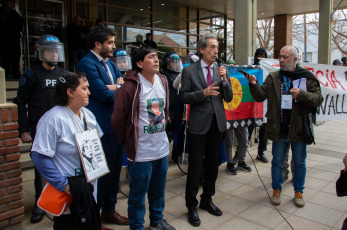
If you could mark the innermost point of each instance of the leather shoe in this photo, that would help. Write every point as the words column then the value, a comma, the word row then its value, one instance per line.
column 193, row 217
column 261, row 156
column 106, row 228
column 37, row 215
column 114, row 218
column 211, row 208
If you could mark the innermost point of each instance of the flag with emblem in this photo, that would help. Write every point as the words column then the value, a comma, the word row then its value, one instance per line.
column 245, row 111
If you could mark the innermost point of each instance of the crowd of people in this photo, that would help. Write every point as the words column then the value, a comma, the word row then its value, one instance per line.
column 137, row 108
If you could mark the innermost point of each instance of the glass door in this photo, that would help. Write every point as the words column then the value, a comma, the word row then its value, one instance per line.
column 42, row 17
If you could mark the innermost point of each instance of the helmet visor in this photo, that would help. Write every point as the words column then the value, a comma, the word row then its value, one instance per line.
column 51, row 53
column 123, row 63
column 175, row 65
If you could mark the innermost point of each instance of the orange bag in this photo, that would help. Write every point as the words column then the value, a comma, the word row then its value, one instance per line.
column 54, row 201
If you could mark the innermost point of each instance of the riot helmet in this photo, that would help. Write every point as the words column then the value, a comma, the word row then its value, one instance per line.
column 337, row 62
column 174, row 63
column 50, row 49
column 344, row 60
column 122, row 59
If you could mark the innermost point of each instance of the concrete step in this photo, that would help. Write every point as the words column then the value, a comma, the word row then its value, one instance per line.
column 11, row 90
column 26, row 162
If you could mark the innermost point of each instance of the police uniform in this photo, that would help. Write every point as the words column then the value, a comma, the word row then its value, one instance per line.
column 36, row 89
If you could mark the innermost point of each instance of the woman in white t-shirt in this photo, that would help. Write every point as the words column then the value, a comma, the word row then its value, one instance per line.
column 55, row 152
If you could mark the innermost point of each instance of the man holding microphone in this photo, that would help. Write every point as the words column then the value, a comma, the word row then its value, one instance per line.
column 204, row 86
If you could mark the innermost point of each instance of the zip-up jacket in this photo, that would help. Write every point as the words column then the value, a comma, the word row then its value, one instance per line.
column 125, row 117
column 270, row 90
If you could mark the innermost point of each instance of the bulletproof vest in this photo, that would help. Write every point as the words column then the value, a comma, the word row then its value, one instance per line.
column 42, row 96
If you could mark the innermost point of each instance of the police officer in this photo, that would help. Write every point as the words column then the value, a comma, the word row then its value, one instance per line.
column 11, row 27
column 35, row 97
column 172, row 67
column 122, row 60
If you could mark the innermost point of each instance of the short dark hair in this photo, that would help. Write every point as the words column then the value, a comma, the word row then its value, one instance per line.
column 68, row 80
column 202, row 43
column 139, row 55
column 99, row 34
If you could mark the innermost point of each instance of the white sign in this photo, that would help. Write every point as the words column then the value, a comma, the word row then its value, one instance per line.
column 91, row 154
column 333, row 82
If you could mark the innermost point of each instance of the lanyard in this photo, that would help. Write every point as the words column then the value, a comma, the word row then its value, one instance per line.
column 286, row 84
column 86, row 126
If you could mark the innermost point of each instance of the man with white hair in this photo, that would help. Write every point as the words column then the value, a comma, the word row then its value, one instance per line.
column 284, row 122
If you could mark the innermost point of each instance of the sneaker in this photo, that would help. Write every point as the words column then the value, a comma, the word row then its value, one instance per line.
column 243, row 166
column 261, row 157
column 231, row 169
column 276, row 197
column 299, row 200
column 163, row 225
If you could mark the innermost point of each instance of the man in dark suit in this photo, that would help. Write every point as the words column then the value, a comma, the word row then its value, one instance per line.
column 104, row 79
column 203, row 87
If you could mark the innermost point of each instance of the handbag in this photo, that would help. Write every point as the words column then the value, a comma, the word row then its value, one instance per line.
column 307, row 120
column 54, row 201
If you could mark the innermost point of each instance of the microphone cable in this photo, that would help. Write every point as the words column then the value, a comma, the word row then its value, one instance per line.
column 267, row 192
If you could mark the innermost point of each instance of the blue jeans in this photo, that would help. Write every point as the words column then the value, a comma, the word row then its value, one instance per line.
column 146, row 177
column 299, row 152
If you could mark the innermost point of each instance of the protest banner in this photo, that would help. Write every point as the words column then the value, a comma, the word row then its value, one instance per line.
column 333, row 81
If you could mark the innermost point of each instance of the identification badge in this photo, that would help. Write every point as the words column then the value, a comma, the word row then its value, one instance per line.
column 286, row 102
column 91, row 154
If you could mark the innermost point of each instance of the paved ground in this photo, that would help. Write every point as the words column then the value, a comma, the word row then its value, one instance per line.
column 243, row 198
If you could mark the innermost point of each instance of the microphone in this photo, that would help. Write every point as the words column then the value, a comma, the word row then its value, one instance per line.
column 219, row 62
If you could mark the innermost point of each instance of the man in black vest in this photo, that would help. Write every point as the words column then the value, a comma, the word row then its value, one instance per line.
column 35, row 97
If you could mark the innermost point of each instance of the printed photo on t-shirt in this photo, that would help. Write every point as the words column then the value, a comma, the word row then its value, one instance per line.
column 156, row 118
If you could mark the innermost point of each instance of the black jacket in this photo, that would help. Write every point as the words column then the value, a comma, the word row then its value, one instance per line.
column 36, row 89
column 83, row 208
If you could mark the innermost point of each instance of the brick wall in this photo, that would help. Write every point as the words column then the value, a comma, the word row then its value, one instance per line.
column 283, row 32
column 11, row 196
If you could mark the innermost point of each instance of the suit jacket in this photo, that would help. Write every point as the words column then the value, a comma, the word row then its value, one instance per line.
column 202, row 108
column 101, row 98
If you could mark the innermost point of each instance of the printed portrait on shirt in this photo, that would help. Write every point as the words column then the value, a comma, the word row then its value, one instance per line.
column 156, row 118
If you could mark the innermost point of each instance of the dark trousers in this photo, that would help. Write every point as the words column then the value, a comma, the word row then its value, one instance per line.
column 73, row 55
column 201, row 146
column 9, row 59
column 108, row 185
column 63, row 222
column 262, row 147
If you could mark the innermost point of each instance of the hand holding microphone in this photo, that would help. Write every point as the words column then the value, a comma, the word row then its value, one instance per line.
column 221, row 70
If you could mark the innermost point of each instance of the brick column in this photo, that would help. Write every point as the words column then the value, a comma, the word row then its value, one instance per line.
column 11, row 196
column 283, row 34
